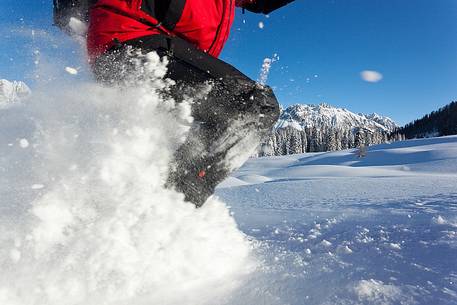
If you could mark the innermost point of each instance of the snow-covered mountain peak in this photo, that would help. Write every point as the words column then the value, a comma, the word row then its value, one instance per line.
column 301, row 116
column 11, row 92
column 383, row 120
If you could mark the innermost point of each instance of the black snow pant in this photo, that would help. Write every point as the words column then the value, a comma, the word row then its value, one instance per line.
column 229, row 122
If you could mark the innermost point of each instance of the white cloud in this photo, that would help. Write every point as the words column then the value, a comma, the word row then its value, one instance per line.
column 371, row 76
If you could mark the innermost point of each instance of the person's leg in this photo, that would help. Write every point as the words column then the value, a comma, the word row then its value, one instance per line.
column 229, row 122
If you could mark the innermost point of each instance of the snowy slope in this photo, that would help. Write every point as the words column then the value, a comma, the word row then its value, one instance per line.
column 11, row 92
column 336, row 229
column 302, row 116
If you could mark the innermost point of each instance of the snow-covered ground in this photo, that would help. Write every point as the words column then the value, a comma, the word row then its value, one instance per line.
column 335, row 229
column 85, row 219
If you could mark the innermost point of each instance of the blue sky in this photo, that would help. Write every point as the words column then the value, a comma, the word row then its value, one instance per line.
column 322, row 45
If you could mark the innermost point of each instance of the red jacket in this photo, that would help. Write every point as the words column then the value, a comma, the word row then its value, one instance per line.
column 205, row 23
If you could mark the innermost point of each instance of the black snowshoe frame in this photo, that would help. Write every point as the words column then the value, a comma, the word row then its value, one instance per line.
column 236, row 109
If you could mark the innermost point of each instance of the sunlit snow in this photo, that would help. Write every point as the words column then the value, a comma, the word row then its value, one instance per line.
column 333, row 228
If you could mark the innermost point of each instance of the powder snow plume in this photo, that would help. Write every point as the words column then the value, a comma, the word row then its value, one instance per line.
column 265, row 70
column 83, row 213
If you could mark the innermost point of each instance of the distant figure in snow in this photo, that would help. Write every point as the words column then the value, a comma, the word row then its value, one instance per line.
column 191, row 34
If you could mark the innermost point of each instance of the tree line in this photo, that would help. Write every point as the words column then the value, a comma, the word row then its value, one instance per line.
column 289, row 140
column 442, row 122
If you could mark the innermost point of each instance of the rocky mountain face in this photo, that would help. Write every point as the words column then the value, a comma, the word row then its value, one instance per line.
column 382, row 120
column 11, row 92
column 316, row 128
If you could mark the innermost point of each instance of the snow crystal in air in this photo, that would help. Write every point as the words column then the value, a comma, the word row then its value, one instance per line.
column 71, row 70
column 261, row 25
column 371, row 76
column 266, row 66
column 24, row 143
column 78, row 27
column 37, row 186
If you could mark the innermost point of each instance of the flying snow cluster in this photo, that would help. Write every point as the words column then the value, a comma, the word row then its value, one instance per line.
column 371, row 76
column 85, row 217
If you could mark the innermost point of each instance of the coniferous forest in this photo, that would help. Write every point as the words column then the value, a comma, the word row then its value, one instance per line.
column 287, row 141
column 442, row 122
column 323, row 136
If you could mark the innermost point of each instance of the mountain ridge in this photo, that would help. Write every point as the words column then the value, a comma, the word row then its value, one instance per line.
column 316, row 128
column 302, row 116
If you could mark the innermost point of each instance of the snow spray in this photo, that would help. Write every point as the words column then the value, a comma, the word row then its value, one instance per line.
column 84, row 216
column 265, row 70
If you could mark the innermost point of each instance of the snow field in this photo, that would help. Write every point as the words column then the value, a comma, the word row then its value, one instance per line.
column 335, row 229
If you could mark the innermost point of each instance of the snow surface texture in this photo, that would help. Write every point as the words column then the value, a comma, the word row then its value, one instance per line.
column 84, row 218
column 336, row 229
